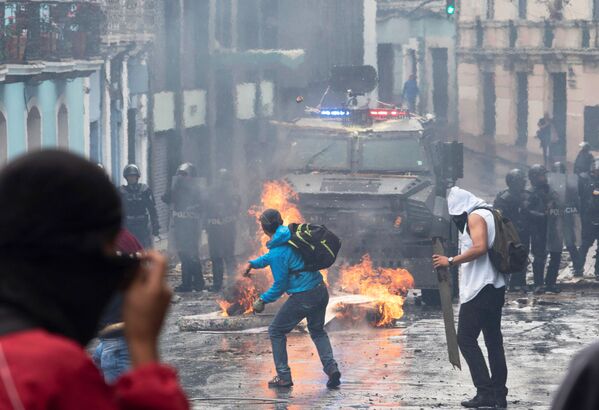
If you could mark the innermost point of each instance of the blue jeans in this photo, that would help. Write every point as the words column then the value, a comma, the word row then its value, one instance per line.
column 311, row 305
column 112, row 356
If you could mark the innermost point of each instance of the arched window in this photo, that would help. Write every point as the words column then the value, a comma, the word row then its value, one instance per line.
column 3, row 140
column 63, row 127
column 34, row 129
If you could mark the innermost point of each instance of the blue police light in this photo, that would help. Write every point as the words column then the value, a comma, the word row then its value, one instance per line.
column 334, row 113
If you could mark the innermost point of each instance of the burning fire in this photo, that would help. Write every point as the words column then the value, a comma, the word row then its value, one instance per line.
column 280, row 196
column 276, row 195
column 387, row 286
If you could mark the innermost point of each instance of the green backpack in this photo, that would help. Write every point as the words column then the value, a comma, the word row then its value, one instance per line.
column 508, row 254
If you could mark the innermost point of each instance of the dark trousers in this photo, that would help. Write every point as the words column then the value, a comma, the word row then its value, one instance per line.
column 590, row 234
column 539, row 252
column 311, row 305
column 519, row 278
column 142, row 234
column 218, row 269
column 555, row 258
column 191, row 271
column 483, row 313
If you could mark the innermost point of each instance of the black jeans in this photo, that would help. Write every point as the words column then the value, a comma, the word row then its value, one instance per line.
column 483, row 313
column 519, row 278
column 218, row 270
column 191, row 271
column 555, row 258
column 311, row 305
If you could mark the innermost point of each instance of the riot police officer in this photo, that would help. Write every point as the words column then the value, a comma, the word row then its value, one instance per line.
column 222, row 209
column 139, row 206
column 590, row 204
column 543, row 211
column 513, row 203
column 185, row 198
column 584, row 159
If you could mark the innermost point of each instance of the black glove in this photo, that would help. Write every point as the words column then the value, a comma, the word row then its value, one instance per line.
column 259, row 306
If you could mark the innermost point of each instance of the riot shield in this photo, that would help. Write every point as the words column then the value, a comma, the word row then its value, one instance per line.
column 556, row 203
column 572, row 223
column 186, row 204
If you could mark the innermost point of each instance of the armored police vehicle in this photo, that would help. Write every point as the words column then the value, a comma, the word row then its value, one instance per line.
column 370, row 176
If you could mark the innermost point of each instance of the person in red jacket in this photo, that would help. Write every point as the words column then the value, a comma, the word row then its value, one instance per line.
column 59, row 218
column 112, row 354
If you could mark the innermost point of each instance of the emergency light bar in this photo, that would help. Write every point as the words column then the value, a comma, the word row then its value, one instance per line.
column 334, row 112
column 384, row 113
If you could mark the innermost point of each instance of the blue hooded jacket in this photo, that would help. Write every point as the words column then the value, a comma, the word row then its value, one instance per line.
column 283, row 259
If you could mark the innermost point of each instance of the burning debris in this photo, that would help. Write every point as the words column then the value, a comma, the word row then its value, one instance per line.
column 387, row 286
column 241, row 294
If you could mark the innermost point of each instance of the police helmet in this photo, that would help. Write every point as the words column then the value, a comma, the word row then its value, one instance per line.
column 585, row 146
column 187, row 168
column 558, row 167
column 515, row 179
column 131, row 170
column 535, row 172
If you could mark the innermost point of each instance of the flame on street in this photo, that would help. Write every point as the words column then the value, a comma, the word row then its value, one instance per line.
column 387, row 286
column 239, row 297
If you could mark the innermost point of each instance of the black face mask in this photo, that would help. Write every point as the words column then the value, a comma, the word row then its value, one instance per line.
column 460, row 221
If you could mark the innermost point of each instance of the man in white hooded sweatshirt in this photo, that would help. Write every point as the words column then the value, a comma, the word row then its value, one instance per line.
column 482, row 295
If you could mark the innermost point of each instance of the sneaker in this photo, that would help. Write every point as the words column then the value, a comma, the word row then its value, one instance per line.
column 277, row 382
column 553, row 290
column 480, row 400
column 334, row 380
column 539, row 290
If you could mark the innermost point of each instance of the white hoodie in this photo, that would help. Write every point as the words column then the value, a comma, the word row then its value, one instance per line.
column 477, row 274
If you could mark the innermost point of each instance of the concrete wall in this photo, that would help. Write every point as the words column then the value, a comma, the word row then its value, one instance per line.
column 470, row 114
column 505, row 105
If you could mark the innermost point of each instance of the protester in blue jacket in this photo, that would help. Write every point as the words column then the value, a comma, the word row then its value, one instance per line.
column 308, row 298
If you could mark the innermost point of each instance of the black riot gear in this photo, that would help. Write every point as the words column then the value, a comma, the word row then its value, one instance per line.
column 513, row 203
column 140, row 208
column 515, row 179
column 584, row 159
column 543, row 211
column 222, row 209
column 185, row 198
column 131, row 170
column 537, row 174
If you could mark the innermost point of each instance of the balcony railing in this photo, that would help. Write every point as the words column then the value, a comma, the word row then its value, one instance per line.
column 49, row 31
